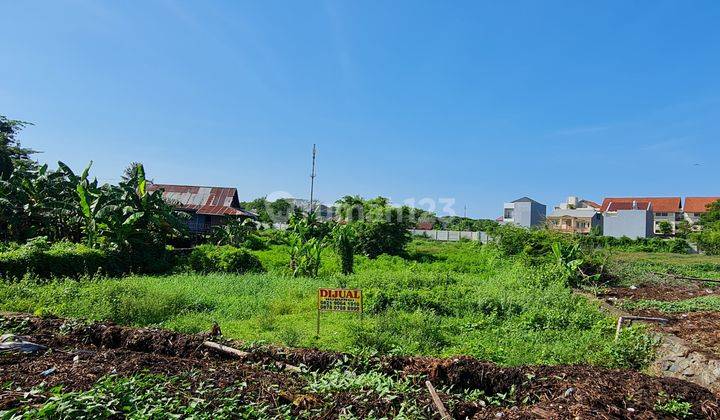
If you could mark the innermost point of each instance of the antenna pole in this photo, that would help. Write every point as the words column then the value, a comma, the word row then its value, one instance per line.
column 465, row 211
column 312, row 179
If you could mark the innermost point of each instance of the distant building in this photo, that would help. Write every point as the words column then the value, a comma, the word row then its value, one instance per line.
column 668, row 209
column 577, row 203
column 524, row 212
column 696, row 206
column 580, row 220
column 633, row 220
column 322, row 211
column 207, row 206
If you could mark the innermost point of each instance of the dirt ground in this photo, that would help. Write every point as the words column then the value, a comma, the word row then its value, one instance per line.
column 700, row 329
column 540, row 392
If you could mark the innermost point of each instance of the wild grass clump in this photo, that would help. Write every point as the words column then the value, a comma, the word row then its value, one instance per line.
column 701, row 303
column 224, row 259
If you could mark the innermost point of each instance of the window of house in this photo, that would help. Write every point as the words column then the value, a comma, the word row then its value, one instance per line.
column 661, row 214
column 508, row 214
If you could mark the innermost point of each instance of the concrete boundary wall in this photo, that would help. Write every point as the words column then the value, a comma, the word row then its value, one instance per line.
column 451, row 235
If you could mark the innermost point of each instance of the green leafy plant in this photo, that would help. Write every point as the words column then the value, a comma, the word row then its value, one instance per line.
column 225, row 258
column 673, row 407
column 344, row 239
column 305, row 247
column 238, row 233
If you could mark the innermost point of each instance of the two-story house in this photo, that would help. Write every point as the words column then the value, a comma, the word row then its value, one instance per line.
column 665, row 209
column 695, row 207
column 524, row 212
column 575, row 215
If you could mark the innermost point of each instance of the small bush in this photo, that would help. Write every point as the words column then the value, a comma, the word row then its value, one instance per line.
column 226, row 259
column 673, row 407
column 709, row 241
column 633, row 350
column 63, row 259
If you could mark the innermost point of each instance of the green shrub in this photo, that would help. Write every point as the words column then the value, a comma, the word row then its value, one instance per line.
column 378, row 237
column 634, row 349
column 709, row 240
column 226, row 259
column 63, row 259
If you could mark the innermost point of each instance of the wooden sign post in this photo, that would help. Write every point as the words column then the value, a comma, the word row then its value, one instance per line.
column 338, row 300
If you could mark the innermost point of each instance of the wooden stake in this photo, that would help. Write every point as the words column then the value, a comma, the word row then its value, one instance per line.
column 622, row 319
column 438, row 402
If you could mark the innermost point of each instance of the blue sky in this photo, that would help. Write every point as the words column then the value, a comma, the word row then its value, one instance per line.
column 481, row 102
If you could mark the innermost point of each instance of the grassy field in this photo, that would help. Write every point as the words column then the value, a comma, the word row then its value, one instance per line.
column 444, row 299
column 632, row 268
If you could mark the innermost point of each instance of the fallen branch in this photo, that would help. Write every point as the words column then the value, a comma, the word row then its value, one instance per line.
column 437, row 401
column 225, row 349
column 229, row 351
column 631, row 318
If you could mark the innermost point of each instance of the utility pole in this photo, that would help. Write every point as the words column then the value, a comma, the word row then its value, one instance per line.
column 465, row 211
column 312, row 180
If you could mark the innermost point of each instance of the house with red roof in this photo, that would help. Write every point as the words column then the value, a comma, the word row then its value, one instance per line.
column 207, row 206
column 696, row 206
column 664, row 209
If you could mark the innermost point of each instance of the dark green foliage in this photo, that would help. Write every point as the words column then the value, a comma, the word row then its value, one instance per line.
column 278, row 211
column 679, row 246
column 37, row 201
column 62, row 259
column 511, row 240
column 382, row 237
column 665, row 228
column 465, row 223
column 305, row 239
column 712, row 215
column 344, row 239
column 709, row 239
column 238, row 233
column 225, row 258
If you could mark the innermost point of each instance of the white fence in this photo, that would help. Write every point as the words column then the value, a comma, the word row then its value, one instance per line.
column 451, row 235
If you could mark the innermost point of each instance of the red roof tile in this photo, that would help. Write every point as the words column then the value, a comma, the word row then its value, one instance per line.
column 698, row 204
column 623, row 205
column 659, row 204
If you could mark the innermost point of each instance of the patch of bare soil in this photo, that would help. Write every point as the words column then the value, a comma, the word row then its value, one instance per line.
column 82, row 354
column 700, row 329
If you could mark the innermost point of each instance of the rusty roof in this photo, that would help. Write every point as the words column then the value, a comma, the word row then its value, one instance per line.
column 698, row 204
column 659, row 204
column 217, row 201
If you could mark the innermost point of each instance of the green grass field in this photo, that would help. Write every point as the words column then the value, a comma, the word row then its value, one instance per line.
column 444, row 299
column 641, row 267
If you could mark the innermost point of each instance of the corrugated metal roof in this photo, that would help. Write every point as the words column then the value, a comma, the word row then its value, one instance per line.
column 203, row 200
